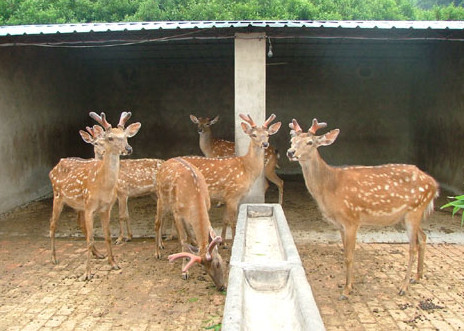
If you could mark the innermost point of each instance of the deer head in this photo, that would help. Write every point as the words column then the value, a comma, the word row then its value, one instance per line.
column 259, row 135
column 303, row 144
column 94, row 136
column 105, row 138
column 204, row 123
column 211, row 260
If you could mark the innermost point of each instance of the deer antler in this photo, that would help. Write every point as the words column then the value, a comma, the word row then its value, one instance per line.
column 124, row 118
column 268, row 121
column 95, row 131
column 193, row 259
column 100, row 119
column 248, row 119
column 316, row 126
column 295, row 126
column 90, row 130
column 212, row 244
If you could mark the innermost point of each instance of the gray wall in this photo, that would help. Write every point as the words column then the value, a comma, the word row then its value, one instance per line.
column 41, row 98
column 388, row 108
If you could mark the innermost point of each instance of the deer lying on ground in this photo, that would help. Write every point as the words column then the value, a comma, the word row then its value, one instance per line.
column 229, row 179
column 89, row 186
column 353, row 196
column 137, row 177
column 213, row 147
column 182, row 190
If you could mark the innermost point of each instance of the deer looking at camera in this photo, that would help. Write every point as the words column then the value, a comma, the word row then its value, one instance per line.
column 353, row 196
column 182, row 190
column 137, row 177
column 229, row 179
column 89, row 186
column 213, row 147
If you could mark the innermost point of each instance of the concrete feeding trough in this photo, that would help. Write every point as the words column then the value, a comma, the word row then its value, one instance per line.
column 267, row 289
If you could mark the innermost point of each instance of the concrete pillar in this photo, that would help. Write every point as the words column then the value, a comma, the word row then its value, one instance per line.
column 250, row 95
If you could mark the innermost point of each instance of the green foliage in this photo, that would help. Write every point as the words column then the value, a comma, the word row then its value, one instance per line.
column 458, row 205
column 80, row 11
column 215, row 327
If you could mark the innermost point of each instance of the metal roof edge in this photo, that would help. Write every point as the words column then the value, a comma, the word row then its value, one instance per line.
column 16, row 30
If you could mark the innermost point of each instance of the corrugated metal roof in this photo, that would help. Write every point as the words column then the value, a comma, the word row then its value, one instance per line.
column 173, row 25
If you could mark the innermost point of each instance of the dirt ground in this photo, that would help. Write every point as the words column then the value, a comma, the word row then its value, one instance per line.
column 149, row 294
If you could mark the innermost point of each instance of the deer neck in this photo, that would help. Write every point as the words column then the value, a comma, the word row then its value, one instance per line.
column 206, row 143
column 254, row 160
column 108, row 173
column 319, row 176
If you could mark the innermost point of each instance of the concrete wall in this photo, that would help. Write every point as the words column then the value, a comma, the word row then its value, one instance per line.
column 41, row 98
column 389, row 109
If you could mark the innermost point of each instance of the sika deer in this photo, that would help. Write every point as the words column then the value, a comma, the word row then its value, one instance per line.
column 213, row 147
column 353, row 196
column 89, row 186
column 181, row 189
column 137, row 177
column 229, row 179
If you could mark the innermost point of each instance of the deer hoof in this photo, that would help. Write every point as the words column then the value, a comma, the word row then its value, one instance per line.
column 185, row 275
column 402, row 292
column 119, row 241
column 115, row 267
column 86, row 277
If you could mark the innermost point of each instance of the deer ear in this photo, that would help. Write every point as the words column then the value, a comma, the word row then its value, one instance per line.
column 86, row 137
column 98, row 130
column 246, row 128
column 274, row 128
column 214, row 120
column 194, row 119
column 132, row 129
column 328, row 138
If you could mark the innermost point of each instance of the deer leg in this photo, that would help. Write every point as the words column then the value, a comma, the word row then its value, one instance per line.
column 105, row 221
column 349, row 244
column 412, row 230
column 173, row 234
column 123, row 218
column 183, row 239
column 158, row 227
column 272, row 177
column 88, row 215
column 230, row 215
column 57, row 208
column 420, row 263
column 81, row 222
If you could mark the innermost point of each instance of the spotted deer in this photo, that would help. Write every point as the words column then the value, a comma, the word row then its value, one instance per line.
column 364, row 195
column 89, row 186
column 213, row 147
column 182, row 190
column 229, row 179
column 137, row 177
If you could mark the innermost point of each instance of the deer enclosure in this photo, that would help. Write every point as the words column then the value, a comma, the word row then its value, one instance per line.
column 150, row 293
column 394, row 103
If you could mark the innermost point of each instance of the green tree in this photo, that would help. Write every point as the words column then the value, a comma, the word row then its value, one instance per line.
column 71, row 11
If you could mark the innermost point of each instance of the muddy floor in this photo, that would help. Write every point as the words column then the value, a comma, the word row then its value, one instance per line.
column 149, row 294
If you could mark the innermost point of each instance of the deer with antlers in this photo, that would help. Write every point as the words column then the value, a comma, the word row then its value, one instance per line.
column 213, row 147
column 373, row 195
column 229, row 179
column 182, row 190
column 89, row 186
column 137, row 177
